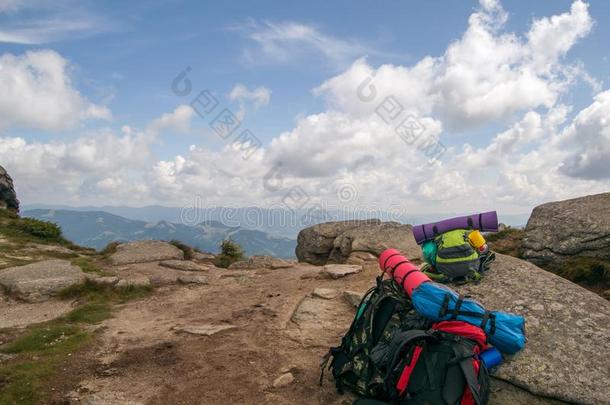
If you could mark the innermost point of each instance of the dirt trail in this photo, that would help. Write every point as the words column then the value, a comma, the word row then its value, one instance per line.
column 144, row 357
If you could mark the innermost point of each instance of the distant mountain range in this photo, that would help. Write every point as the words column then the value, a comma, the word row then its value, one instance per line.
column 98, row 228
column 278, row 222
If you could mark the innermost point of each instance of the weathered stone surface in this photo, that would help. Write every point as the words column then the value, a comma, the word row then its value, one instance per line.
column 8, row 197
column 374, row 239
column 564, row 229
column 201, row 257
column 183, row 265
column 568, row 330
column 41, row 280
column 315, row 243
column 353, row 297
column 325, row 293
column 336, row 271
column 192, row 279
column 319, row 322
column 145, row 251
column 354, row 241
column 262, row 262
column 134, row 282
column 204, row 330
column 283, row 380
column 361, row 258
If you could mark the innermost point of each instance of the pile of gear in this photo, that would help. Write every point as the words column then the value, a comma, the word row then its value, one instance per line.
column 415, row 341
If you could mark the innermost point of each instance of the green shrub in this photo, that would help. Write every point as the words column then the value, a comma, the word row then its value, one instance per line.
column 189, row 252
column 110, row 248
column 40, row 229
column 230, row 252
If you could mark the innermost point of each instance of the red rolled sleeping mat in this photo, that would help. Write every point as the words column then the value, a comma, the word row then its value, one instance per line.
column 402, row 270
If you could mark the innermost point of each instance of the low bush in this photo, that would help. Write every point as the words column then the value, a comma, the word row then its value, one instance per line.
column 189, row 252
column 230, row 252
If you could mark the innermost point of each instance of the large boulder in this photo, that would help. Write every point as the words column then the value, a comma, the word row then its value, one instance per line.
column 336, row 242
column 568, row 330
column 8, row 197
column 374, row 239
column 315, row 243
column 144, row 251
column 41, row 280
column 563, row 230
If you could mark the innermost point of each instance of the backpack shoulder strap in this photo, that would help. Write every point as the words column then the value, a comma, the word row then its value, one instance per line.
column 471, row 379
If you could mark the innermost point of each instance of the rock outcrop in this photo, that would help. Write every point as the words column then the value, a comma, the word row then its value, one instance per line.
column 144, row 251
column 568, row 330
column 41, row 280
column 8, row 197
column 350, row 241
column 561, row 230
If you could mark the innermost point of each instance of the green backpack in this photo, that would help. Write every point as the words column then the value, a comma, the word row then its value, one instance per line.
column 456, row 258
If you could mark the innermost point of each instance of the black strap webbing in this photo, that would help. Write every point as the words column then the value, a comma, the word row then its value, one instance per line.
column 423, row 229
column 470, row 223
column 388, row 258
column 456, row 310
column 444, row 306
column 471, row 379
column 480, row 221
column 402, row 282
column 396, row 266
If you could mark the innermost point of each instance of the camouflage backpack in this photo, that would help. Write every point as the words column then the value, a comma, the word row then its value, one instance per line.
column 384, row 309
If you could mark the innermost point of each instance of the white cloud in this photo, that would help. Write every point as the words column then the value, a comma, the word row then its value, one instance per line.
column 260, row 96
column 37, row 92
column 483, row 77
column 487, row 76
column 178, row 120
column 288, row 42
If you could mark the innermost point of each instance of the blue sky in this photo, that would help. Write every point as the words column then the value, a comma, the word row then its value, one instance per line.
column 121, row 57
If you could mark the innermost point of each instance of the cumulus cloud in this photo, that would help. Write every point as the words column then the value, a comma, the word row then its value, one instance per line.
column 37, row 92
column 178, row 120
column 485, row 76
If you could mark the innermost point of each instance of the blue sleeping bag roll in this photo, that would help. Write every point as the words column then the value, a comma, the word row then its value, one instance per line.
column 440, row 303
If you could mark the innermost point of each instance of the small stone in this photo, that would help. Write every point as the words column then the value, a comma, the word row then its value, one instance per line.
column 134, row 282
column 336, row 271
column 192, row 279
column 108, row 280
column 352, row 297
column 204, row 330
column 538, row 307
column 325, row 293
column 606, row 294
column 283, row 380
column 6, row 357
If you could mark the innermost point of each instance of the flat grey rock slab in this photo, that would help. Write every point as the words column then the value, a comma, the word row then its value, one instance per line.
column 144, row 251
column 41, row 280
column 134, row 282
column 352, row 297
column 325, row 293
column 337, row 271
column 192, row 279
column 204, row 329
column 184, row 265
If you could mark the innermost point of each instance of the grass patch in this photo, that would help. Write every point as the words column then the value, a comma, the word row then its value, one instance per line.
column 40, row 351
column 92, row 292
column 43, row 348
column 86, row 265
column 508, row 242
column 587, row 270
column 230, row 252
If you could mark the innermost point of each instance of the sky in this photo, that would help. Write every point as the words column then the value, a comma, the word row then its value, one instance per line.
column 417, row 107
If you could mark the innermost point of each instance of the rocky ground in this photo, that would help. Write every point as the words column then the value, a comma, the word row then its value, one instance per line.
column 255, row 333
